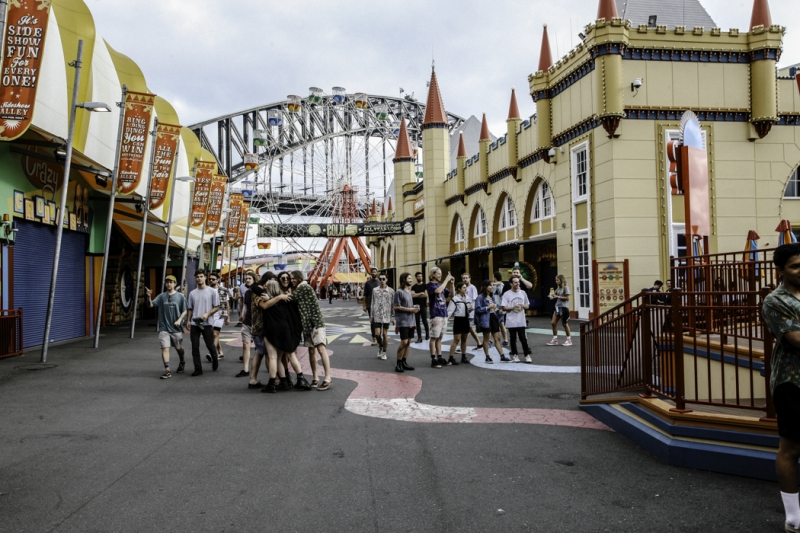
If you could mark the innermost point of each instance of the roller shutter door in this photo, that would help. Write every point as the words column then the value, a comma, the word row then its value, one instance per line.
column 33, row 263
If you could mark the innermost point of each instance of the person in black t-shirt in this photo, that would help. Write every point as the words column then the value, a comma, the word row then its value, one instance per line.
column 368, row 287
column 419, row 294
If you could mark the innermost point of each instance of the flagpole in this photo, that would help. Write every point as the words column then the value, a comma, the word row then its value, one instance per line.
column 110, row 220
column 188, row 226
column 144, row 225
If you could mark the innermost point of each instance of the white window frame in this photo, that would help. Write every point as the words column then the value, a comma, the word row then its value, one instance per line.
column 508, row 215
column 580, row 194
column 543, row 193
column 794, row 182
column 480, row 224
column 460, row 236
column 582, row 310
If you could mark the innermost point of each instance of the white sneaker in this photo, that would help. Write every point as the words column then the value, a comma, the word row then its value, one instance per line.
column 568, row 342
column 553, row 342
column 383, row 356
column 515, row 359
column 380, row 353
column 528, row 359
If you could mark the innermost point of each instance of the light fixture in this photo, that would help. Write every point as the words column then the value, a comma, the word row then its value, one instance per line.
column 101, row 180
column 7, row 230
column 651, row 21
column 139, row 207
column 582, row 36
column 187, row 179
column 60, row 153
column 97, row 107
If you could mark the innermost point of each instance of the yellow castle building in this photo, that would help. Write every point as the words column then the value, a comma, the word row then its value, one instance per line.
column 586, row 177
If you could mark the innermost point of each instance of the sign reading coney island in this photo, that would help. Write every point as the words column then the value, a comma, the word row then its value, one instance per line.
column 23, row 47
column 215, row 199
column 204, row 176
column 138, row 109
column 244, row 214
column 167, row 138
column 234, row 219
column 353, row 229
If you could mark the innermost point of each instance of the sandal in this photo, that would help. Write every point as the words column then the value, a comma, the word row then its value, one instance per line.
column 314, row 383
column 324, row 386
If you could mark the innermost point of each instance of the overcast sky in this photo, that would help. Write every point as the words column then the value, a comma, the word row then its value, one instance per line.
column 212, row 58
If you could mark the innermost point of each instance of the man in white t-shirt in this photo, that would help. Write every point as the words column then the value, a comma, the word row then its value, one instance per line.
column 515, row 303
column 472, row 295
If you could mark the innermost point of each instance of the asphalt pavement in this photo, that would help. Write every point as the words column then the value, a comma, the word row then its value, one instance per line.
column 95, row 441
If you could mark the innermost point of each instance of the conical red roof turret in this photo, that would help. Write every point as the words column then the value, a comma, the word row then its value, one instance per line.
column 434, row 109
column 485, row 135
column 462, row 150
column 391, row 205
column 374, row 206
column 607, row 9
column 403, row 152
column 383, row 210
column 761, row 15
column 513, row 108
column 545, row 58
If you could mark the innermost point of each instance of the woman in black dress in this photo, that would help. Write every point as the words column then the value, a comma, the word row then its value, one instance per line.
column 283, row 332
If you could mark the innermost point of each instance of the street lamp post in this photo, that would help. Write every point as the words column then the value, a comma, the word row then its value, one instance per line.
column 188, row 219
column 91, row 106
column 169, row 220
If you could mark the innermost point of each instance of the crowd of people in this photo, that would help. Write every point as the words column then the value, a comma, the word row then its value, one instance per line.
column 277, row 314
column 498, row 312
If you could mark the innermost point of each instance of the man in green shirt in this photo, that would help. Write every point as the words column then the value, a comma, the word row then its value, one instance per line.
column 781, row 312
column 171, row 311
column 314, row 336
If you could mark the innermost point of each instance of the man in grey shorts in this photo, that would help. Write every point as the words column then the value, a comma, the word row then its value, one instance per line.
column 171, row 311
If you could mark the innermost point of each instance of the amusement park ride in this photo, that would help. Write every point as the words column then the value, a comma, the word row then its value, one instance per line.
column 319, row 158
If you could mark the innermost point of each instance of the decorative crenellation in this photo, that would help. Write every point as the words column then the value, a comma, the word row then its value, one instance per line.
column 576, row 131
column 454, row 200
column 659, row 113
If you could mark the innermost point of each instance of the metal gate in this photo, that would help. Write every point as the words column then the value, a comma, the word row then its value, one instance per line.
column 34, row 250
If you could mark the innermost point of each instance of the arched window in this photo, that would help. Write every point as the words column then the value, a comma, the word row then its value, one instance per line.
column 459, row 230
column 508, row 215
column 793, row 187
column 480, row 224
column 543, row 206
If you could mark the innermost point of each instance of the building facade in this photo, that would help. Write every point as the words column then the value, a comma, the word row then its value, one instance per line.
column 586, row 177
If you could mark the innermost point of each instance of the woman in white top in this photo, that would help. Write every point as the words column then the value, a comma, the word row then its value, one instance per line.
column 459, row 308
column 561, row 296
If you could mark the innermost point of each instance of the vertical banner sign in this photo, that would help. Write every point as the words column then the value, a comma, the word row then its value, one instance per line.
column 167, row 138
column 203, row 178
column 23, row 47
column 234, row 219
column 138, row 110
column 216, row 197
column 244, row 216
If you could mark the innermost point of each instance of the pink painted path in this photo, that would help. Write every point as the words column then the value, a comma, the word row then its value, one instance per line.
column 392, row 397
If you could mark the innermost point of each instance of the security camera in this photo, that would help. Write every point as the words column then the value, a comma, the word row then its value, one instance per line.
column 551, row 152
column 638, row 82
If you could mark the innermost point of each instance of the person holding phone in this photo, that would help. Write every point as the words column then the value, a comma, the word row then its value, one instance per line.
column 438, row 293
column 561, row 296
column 515, row 302
column 171, row 307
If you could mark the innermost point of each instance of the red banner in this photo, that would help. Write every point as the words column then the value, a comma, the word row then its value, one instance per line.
column 204, row 175
column 138, row 109
column 26, row 26
column 244, row 216
column 167, row 138
column 234, row 219
column 215, row 199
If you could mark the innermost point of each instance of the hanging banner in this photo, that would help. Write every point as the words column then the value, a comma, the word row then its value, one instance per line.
column 234, row 219
column 138, row 110
column 216, row 197
column 26, row 26
column 353, row 229
column 204, row 176
column 167, row 138
column 244, row 214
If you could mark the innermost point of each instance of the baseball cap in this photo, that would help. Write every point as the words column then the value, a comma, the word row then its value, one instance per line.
column 172, row 279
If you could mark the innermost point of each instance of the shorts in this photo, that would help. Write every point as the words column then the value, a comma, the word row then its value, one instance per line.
column 218, row 323
column 247, row 333
column 494, row 324
column 562, row 313
column 376, row 325
column 261, row 348
column 168, row 338
column 317, row 337
column 460, row 325
column 787, row 407
column 406, row 332
column 437, row 326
